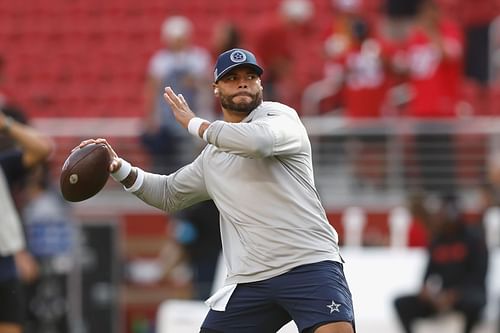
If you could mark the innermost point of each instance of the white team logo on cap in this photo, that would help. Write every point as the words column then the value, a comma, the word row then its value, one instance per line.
column 238, row 56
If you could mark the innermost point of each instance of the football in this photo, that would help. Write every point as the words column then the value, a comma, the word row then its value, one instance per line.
column 85, row 172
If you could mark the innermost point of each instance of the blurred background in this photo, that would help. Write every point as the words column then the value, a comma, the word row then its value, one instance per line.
column 401, row 99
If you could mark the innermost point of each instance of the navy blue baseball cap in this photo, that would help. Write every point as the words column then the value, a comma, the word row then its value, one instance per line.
column 234, row 58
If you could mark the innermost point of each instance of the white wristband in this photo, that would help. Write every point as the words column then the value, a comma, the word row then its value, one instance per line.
column 138, row 181
column 123, row 172
column 194, row 126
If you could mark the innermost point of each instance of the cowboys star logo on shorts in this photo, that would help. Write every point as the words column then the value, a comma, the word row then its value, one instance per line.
column 334, row 307
column 238, row 56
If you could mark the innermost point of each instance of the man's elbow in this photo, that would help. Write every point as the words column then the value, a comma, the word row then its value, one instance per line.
column 260, row 147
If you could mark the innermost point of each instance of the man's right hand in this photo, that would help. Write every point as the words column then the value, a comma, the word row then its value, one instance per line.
column 179, row 107
column 115, row 160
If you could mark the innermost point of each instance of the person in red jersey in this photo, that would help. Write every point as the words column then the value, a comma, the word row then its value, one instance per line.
column 435, row 56
column 278, row 40
column 364, row 71
column 434, row 60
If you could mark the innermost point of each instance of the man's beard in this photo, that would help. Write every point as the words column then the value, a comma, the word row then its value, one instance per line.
column 242, row 107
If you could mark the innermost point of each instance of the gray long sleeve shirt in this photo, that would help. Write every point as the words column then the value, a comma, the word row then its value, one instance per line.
column 259, row 174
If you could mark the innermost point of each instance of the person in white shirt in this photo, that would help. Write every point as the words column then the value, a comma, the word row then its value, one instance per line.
column 23, row 147
column 185, row 67
column 280, row 251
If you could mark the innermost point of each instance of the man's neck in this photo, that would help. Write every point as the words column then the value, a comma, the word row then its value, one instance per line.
column 233, row 117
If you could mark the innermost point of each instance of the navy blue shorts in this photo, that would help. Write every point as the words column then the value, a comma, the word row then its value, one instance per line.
column 310, row 295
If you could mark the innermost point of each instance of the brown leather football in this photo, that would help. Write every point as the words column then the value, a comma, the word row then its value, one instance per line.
column 85, row 172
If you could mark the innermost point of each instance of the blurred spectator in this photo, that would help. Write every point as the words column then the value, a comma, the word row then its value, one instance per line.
column 435, row 54
column 419, row 229
column 23, row 148
column 366, row 82
column 11, row 242
column 6, row 100
column 187, row 69
column 50, row 238
column 197, row 230
column 189, row 256
column 490, row 198
column 399, row 16
column 481, row 45
column 360, row 72
column 490, row 192
column 366, row 68
column 476, row 17
column 348, row 27
column 455, row 277
column 278, row 41
column 364, row 64
column 434, row 60
column 226, row 36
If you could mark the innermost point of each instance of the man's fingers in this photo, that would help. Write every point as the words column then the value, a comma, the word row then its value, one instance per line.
column 172, row 98
column 115, row 165
column 169, row 91
column 179, row 106
column 92, row 141
column 83, row 144
column 169, row 100
column 111, row 151
column 181, row 97
column 115, row 161
column 177, row 101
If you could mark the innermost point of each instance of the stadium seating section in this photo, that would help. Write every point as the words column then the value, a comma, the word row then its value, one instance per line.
column 87, row 58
